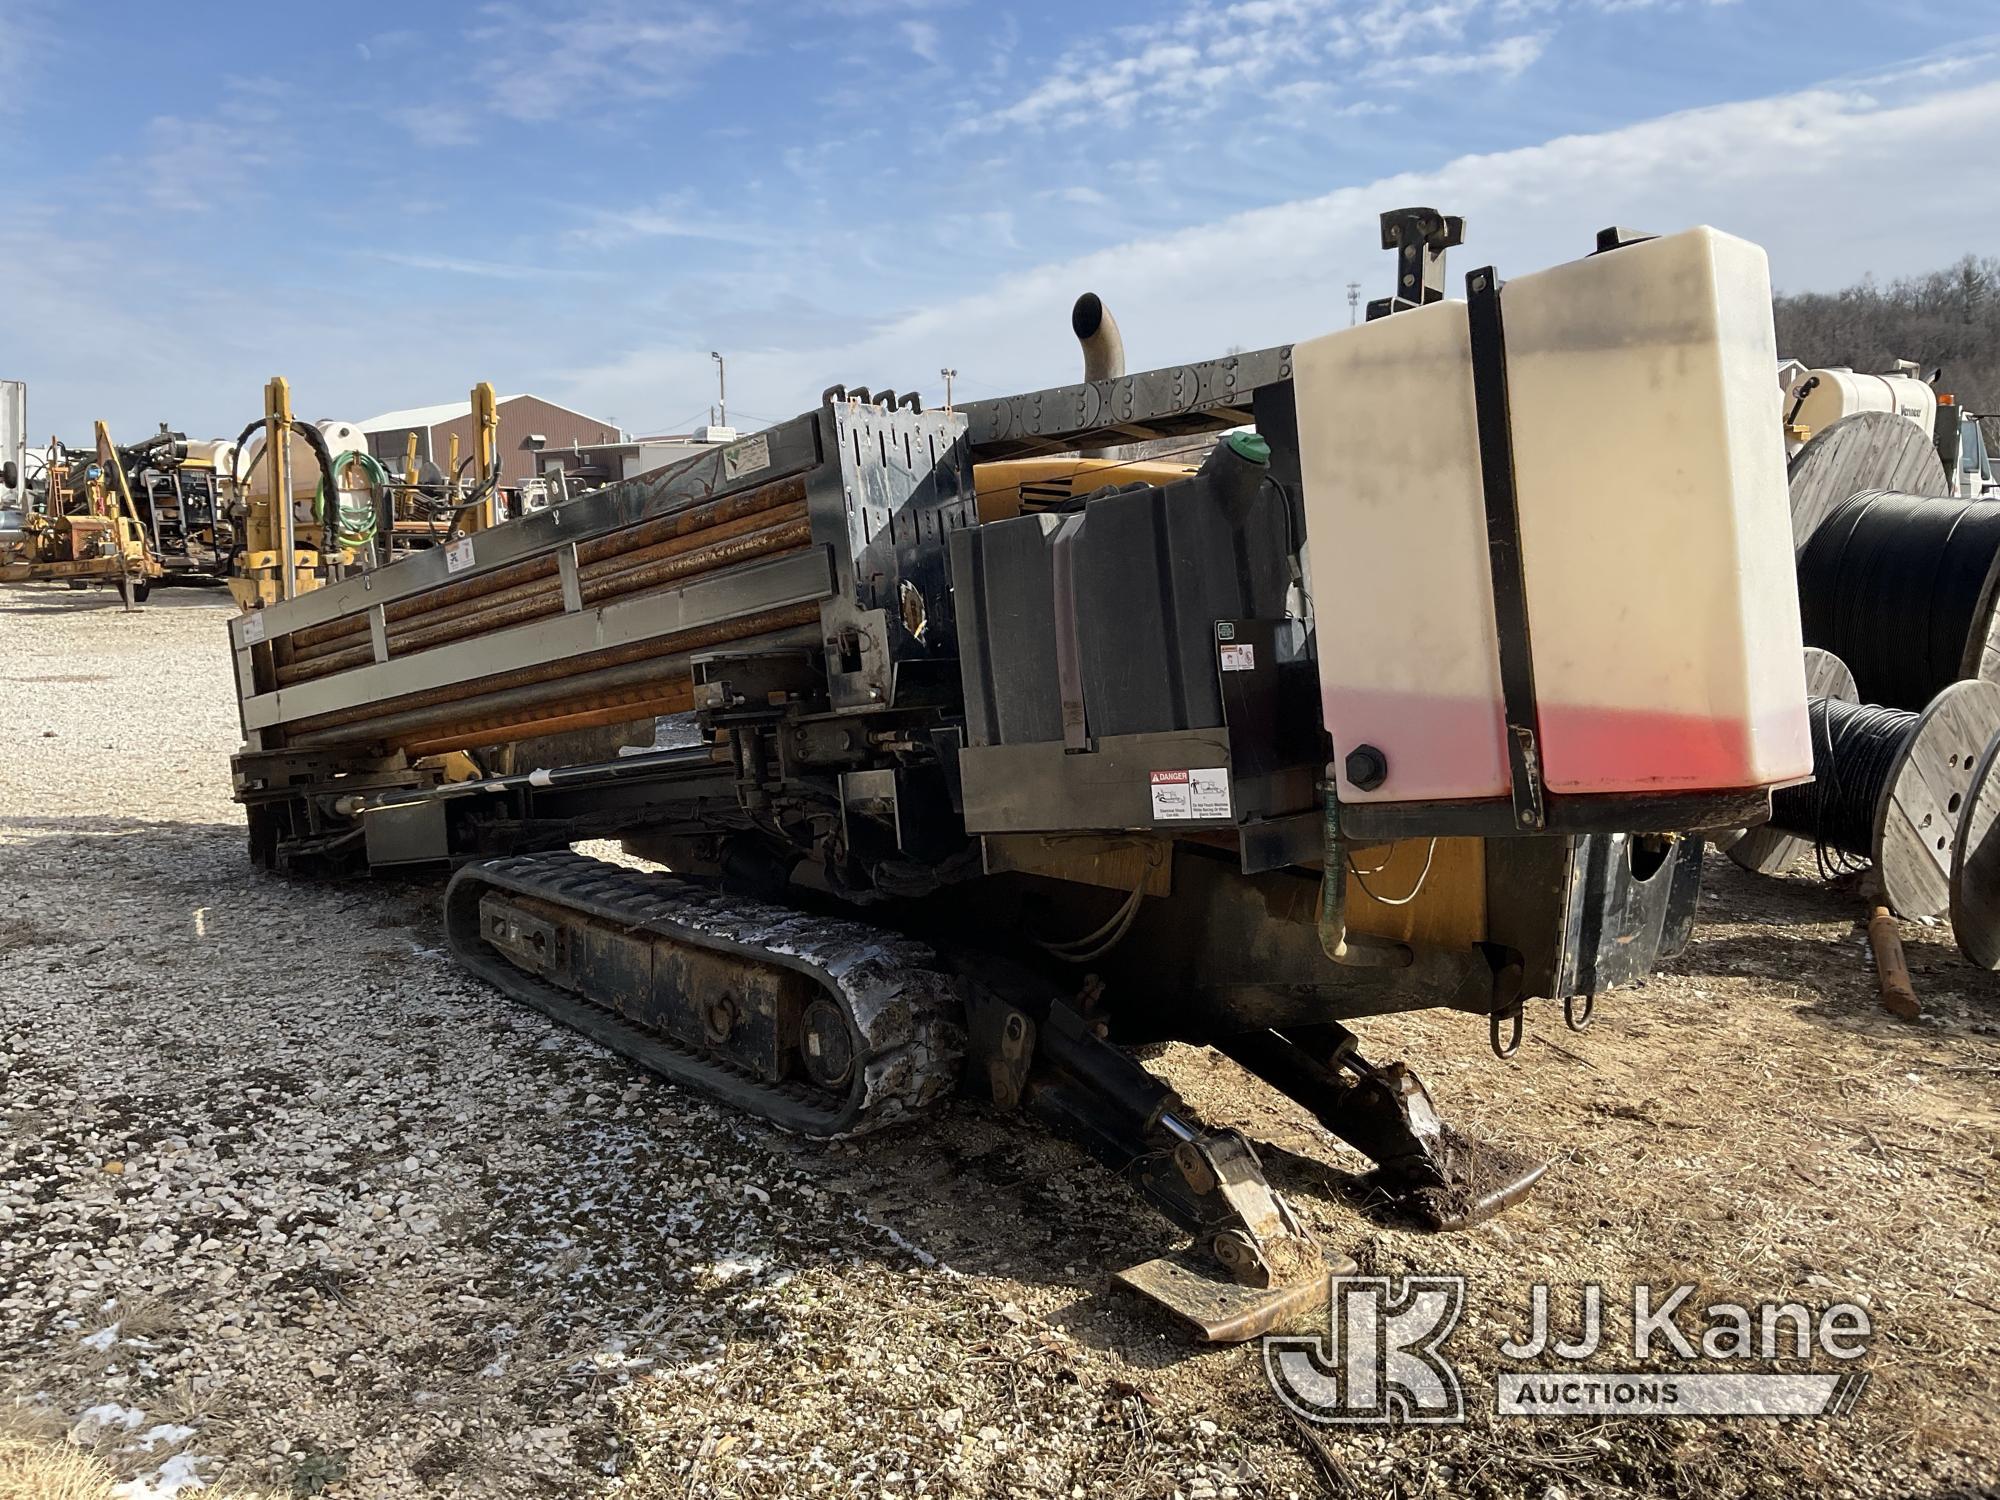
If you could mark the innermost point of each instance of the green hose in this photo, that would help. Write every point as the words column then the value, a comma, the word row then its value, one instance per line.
column 352, row 529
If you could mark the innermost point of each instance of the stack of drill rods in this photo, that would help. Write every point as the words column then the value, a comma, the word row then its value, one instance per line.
column 606, row 687
column 676, row 522
column 634, row 557
column 706, row 551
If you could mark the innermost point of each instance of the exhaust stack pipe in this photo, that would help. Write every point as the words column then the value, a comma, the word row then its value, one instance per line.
column 1097, row 331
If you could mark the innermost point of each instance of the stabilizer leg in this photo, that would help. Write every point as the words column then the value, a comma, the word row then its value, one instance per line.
column 1425, row 1170
column 1252, row 1265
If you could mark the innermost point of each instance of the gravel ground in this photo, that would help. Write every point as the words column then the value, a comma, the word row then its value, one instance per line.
column 289, row 1205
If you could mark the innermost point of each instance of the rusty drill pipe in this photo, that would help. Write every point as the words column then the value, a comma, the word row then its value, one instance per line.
column 602, row 560
column 752, row 548
column 501, row 713
column 1899, row 996
column 726, row 553
column 496, row 604
column 575, row 675
column 605, row 585
column 594, row 549
column 480, row 736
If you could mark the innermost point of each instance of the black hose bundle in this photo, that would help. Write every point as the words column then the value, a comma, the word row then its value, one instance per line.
column 1855, row 746
column 1901, row 588
column 323, row 457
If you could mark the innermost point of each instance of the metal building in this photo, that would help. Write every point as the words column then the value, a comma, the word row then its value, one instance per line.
column 528, row 425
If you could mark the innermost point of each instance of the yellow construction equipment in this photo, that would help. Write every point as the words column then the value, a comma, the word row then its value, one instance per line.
column 1013, row 739
column 271, row 565
column 87, row 529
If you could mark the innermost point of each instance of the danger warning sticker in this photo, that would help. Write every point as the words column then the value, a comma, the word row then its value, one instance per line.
column 1202, row 792
column 1170, row 795
column 1239, row 658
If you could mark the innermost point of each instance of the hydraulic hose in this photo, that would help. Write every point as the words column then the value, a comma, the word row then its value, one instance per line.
column 345, row 534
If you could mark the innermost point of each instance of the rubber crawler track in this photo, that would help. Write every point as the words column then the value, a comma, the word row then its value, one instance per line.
column 903, row 1006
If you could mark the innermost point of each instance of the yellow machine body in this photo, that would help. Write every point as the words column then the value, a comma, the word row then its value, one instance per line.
column 90, row 532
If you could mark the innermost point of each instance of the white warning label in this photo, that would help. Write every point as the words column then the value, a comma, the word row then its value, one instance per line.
column 253, row 627
column 1187, row 795
column 746, row 458
column 458, row 556
column 1239, row 658
column 1208, row 793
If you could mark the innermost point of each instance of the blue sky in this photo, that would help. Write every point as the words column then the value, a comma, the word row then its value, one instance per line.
column 387, row 202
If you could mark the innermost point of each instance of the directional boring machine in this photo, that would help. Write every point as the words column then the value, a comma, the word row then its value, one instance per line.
column 1224, row 703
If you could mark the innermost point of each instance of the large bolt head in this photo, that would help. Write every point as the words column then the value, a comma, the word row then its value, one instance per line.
column 1367, row 767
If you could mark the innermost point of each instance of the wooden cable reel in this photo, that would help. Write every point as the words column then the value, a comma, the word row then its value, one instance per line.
column 1871, row 450
column 1769, row 850
column 1975, row 865
column 1918, row 813
column 1921, row 807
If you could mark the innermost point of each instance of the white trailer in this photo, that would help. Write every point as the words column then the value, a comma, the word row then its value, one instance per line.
column 13, row 444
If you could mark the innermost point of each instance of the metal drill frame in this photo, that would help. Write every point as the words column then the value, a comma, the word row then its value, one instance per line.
column 883, row 486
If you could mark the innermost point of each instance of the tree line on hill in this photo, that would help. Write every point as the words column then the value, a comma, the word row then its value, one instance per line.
column 1948, row 318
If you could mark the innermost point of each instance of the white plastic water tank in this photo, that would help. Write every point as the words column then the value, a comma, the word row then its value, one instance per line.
column 218, row 454
column 1655, row 520
column 254, row 474
column 1654, row 523
column 1396, row 541
column 1835, row 392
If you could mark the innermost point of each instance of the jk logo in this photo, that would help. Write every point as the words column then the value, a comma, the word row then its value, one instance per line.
column 1381, row 1359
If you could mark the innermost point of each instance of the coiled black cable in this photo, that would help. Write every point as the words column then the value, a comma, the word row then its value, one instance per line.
column 1901, row 588
column 1855, row 746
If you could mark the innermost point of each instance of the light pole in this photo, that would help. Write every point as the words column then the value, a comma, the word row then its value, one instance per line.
column 949, row 377
column 721, row 389
column 1353, row 302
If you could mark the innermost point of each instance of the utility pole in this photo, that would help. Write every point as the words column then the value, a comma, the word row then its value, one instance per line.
column 1353, row 303
column 949, row 377
column 721, row 389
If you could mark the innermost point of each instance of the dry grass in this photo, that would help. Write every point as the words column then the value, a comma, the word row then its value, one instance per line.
column 32, row 1470
column 37, row 1469
column 1751, row 1122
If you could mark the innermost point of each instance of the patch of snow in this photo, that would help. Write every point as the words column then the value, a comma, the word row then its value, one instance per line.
column 170, row 1433
column 110, row 1414
column 176, row 1474
column 102, row 1340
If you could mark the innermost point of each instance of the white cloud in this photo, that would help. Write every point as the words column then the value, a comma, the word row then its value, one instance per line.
column 1507, row 58
column 924, row 40
column 1388, row 28
column 860, row 8
column 494, row 270
column 191, row 164
column 1829, row 180
column 26, row 33
column 677, row 216
column 1208, row 54
column 542, row 61
column 1816, row 177
column 438, row 124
